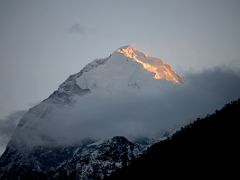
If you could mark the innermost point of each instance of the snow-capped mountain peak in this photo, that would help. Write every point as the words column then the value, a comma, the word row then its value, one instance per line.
column 130, row 51
column 155, row 65
column 126, row 67
column 77, row 113
column 123, row 72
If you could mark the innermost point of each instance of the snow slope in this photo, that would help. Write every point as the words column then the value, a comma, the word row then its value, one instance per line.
column 126, row 67
column 126, row 70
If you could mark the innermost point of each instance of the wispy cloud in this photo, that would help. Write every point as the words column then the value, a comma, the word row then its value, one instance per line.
column 7, row 127
column 78, row 28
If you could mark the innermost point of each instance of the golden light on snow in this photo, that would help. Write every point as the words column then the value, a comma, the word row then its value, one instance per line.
column 160, row 70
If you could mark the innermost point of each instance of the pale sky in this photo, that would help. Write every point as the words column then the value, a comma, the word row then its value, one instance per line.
column 43, row 42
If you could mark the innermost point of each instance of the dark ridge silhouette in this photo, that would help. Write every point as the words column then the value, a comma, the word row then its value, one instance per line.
column 206, row 148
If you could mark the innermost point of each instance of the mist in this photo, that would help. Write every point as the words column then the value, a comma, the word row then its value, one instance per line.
column 136, row 113
column 7, row 127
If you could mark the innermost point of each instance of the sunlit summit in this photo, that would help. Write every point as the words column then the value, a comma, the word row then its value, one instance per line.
column 161, row 70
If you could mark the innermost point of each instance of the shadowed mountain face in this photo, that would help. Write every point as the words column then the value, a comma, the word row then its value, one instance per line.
column 87, row 160
column 206, row 148
column 98, row 160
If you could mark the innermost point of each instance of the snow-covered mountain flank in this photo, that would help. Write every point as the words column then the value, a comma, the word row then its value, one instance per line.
column 125, row 67
column 57, row 134
column 94, row 88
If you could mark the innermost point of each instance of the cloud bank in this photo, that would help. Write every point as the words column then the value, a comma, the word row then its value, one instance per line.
column 137, row 113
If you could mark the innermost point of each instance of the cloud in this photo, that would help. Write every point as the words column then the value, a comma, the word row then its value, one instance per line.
column 7, row 127
column 78, row 28
column 135, row 113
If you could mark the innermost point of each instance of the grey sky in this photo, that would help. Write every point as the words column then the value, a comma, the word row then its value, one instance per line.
column 43, row 42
